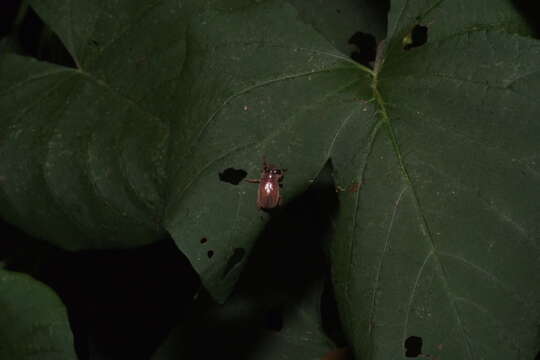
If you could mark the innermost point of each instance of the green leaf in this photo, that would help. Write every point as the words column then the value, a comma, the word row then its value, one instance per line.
column 33, row 320
column 441, row 241
column 167, row 96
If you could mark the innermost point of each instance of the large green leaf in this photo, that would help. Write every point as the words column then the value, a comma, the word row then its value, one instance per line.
column 166, row 97
column 441, row 242
column 33, row 320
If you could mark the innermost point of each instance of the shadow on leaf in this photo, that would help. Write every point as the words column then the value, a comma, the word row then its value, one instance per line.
column 278, row 297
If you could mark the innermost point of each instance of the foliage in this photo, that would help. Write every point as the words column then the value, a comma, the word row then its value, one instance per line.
column 431, row 146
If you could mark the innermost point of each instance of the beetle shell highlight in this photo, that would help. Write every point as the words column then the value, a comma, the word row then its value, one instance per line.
column 268, row 195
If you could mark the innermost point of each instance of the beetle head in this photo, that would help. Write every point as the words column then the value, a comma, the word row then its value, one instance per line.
column 272, row 169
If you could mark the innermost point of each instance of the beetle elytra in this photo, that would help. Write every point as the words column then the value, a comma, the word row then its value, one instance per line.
column 268, row 196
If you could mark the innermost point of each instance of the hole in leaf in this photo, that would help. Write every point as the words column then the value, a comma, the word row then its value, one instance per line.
column 537, row 357
column 413, row 346
column 417, row 37
column 367, row 48
column 232, row 176
column 203, row 240
column 338, row 11
column 273, row 319
column 210, row 253
column 236, row 257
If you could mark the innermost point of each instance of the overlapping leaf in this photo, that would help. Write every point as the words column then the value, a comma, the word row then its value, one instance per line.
column 441, row 240
column 167, row 96
column 33, row 321
column 239, row 328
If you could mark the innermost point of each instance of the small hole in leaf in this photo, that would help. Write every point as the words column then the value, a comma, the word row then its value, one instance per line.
column 537, row 357
column 273, row 320
column 413, row 346
column 235, row 258
column 210, row 253
column 417, row 37
column 203, row 240
column 338, row 11
column 232, row 176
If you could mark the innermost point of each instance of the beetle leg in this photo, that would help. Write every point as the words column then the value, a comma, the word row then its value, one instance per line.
column 256, row 181
column 280, row 201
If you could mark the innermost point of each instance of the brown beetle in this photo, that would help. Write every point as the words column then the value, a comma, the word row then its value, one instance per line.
column 268, row 196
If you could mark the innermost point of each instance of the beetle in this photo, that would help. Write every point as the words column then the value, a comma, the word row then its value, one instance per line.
column 268, row 196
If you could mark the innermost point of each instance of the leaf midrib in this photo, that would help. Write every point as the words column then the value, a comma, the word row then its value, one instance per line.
column 385, row 119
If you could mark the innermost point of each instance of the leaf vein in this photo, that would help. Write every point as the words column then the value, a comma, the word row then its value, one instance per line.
column 246, row 90
column 481, row 308
column 413, row 291
column 338, row 132
column 35, row 78
column 359, row 179
column 427, row 232
column 486, row 273
column 144, row 12
column 384, row 252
